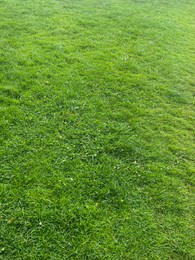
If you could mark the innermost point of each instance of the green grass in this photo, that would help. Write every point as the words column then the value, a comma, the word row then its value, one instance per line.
column 97, row 129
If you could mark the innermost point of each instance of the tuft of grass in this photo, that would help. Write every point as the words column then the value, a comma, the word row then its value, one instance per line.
column 97, row 129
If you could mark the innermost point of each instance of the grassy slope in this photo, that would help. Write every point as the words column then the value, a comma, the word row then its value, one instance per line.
column 97, row 129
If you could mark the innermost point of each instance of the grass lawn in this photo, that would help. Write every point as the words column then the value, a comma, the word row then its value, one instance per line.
column 97, row 120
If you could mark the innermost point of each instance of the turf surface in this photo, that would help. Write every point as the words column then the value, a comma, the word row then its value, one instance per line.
column 97, row 129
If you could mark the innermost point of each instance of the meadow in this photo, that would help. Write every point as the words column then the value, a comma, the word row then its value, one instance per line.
column 97, row 124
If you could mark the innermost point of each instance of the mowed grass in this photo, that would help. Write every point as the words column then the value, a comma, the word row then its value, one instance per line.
column 97, row 129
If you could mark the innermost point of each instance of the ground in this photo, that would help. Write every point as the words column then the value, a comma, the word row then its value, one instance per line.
column 97, row 129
